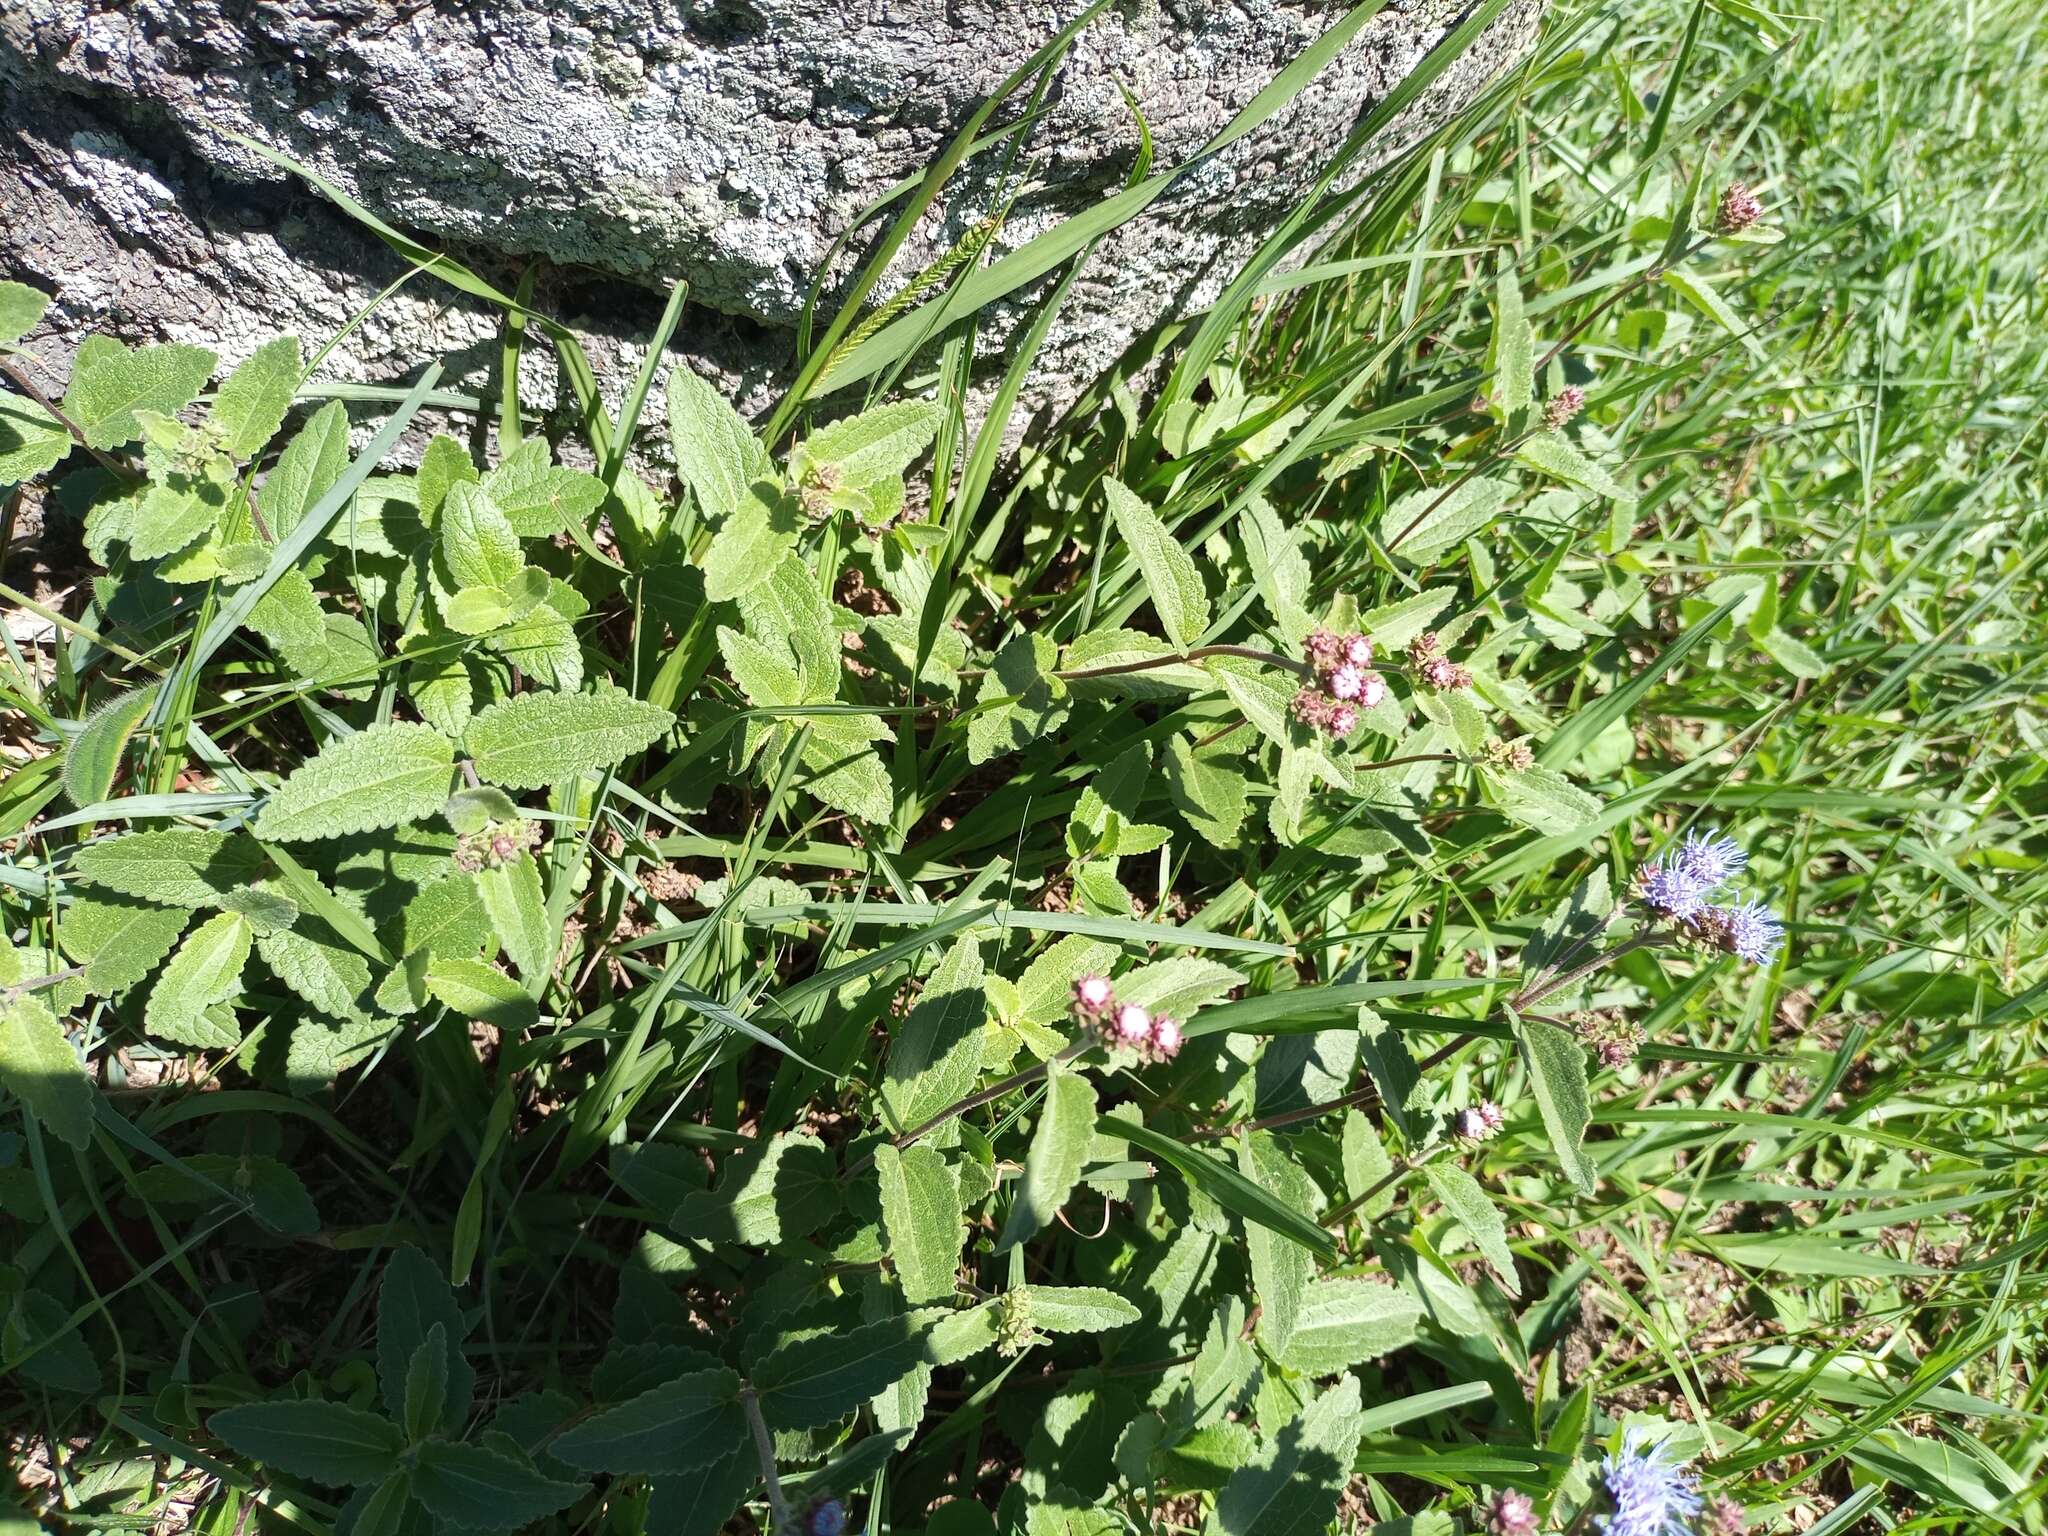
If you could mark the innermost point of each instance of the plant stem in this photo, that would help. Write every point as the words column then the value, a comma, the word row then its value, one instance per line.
column 55, row 978
column 1185, row 658
column 764, row 1448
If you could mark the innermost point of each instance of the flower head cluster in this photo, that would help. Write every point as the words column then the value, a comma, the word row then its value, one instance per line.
column 1512, row 1513
column 1014, row 1330
column 1478, row 1122
column 1562, row 407
column 496, row 845
column 1344, row 682
column 1614, row 1037
column 1680, row 888
column 1653, row 1496
column 1433, row 669
column 1512, row 756
column 1126, row 1025
column 1739, row 209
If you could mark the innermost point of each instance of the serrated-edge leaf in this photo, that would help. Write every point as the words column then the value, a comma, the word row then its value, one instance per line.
column 1059, row 1149
column 682, row 1424
column 1178, row 596
column 41, row 1069
column 329, row 1443
column 382, row 776
column 476, row 1487
column 537, row 739
column 921, row 1220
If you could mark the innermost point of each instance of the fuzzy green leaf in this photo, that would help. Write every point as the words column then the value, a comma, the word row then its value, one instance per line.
column 171, row 866
column 826, row 1376
column 1343, row 1323
column 1557, row 1077
column 518, row 910
column 206, row 970
column 477, row 541
column 921, row 1220
column 1077, row 1308
column 1293, row 1483
column 539, row 497
column 1551, row 454
column 1207, row 789
column 414, row 1300
column 872, row 447
column 250, row 405
column 1059, row 1148
column 1020, row 702
column 326, row 974
column 1178, row 596
column 93, row 758
column 481, row 1488
column 1463, row 1197
column 41, row 1069
column 328, row 1443
column 774, row 1190
column 936, row 1054
column 21, row 307
column 32, row 441
column 692, row 1421
column 537, row 739
column 106, row 392
column 382, row 776
column 474, row 990
column 1424, row 524
column 118, row 940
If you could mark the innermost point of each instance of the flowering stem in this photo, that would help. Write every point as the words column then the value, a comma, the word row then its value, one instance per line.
column 988, row 1095
column 764, row 1448
column 1200, row 652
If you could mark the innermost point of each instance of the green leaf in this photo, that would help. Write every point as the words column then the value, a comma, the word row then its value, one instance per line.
column 21, row 308
column 826, row 1376
column 106, row 392
column 447, row 918
column 1177, row 987
column 1279, row 570
column 382, row 776
column 774, row 1190
column 444, row 465
column 702, row 1501
column 1076, row 1308
column 41, row 1069
column 265, row 1187
column 1702, row 296
column 1223, row 1184
column 921, row 1220
column 1465, row 509
column 538, row 497
column 426, row 1385
column 1514, row 357
column 1178, row 596
column 1342, row 1323
column 538, row 739
column 32, row 441
column 477, row 541
column 1207, row 790
column 1393, row 625
column 478, row 1488
column 750, row 543
column 118, row 941
column 1542, row 798
column 319, row 1052
column 328, row 1443
column 473, row 990
column 1294, row 1482
column 693, row 1421
column 716, row 452
column 874, row 446
column 327, row 974
column 306, row 471
column 250, row 406
column 206, row 970
column 413, row 1302
column 172, row 866
column 1463, row 1197
column 936, row 1054
column 1281, row 1269
column 93, row 758
column 1059, row 1148
column 1557, row 1077
column 518, row 909
column 171, row 516
column 1551, row 454
column 1020, row 702
column 478, row 610
column 38, row 1331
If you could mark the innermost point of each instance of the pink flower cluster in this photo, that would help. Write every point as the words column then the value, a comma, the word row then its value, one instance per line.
column 1125, row 1024
column 1479, row 1123
column 1344, row 683
column 1433, row 669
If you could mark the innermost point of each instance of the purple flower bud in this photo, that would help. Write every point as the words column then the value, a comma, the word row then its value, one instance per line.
column 1724, row 1517
column 1668, row 890
column 1311, row 708
column 1133, row 1025
column 1512, row 1513
column 1322, row 647
column 1092, row 995
column 1739, row 209
column 1470, row 1125
column 1166, row 1039
column 1437, row 673
column 1563, row 406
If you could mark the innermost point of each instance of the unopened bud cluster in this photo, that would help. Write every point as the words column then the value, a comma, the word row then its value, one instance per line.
column 1510, row 756
column 1343, row 682
column 1613, row 1038
column 1433, row 669
column 1512, row 1513
column 1126, row 1026
column 1739, row 209
column 1724, row 1517
column 495, row 846
column 1014, row 1332
column 1478, row 1122
column 1563, row 406
column 817, row 489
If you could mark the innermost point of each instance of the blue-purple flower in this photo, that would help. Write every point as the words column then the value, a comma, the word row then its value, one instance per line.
column 827, row 1517
column 1751, row 930
column 1711, row 857
column 1671, row 891
column 1653, row 1496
